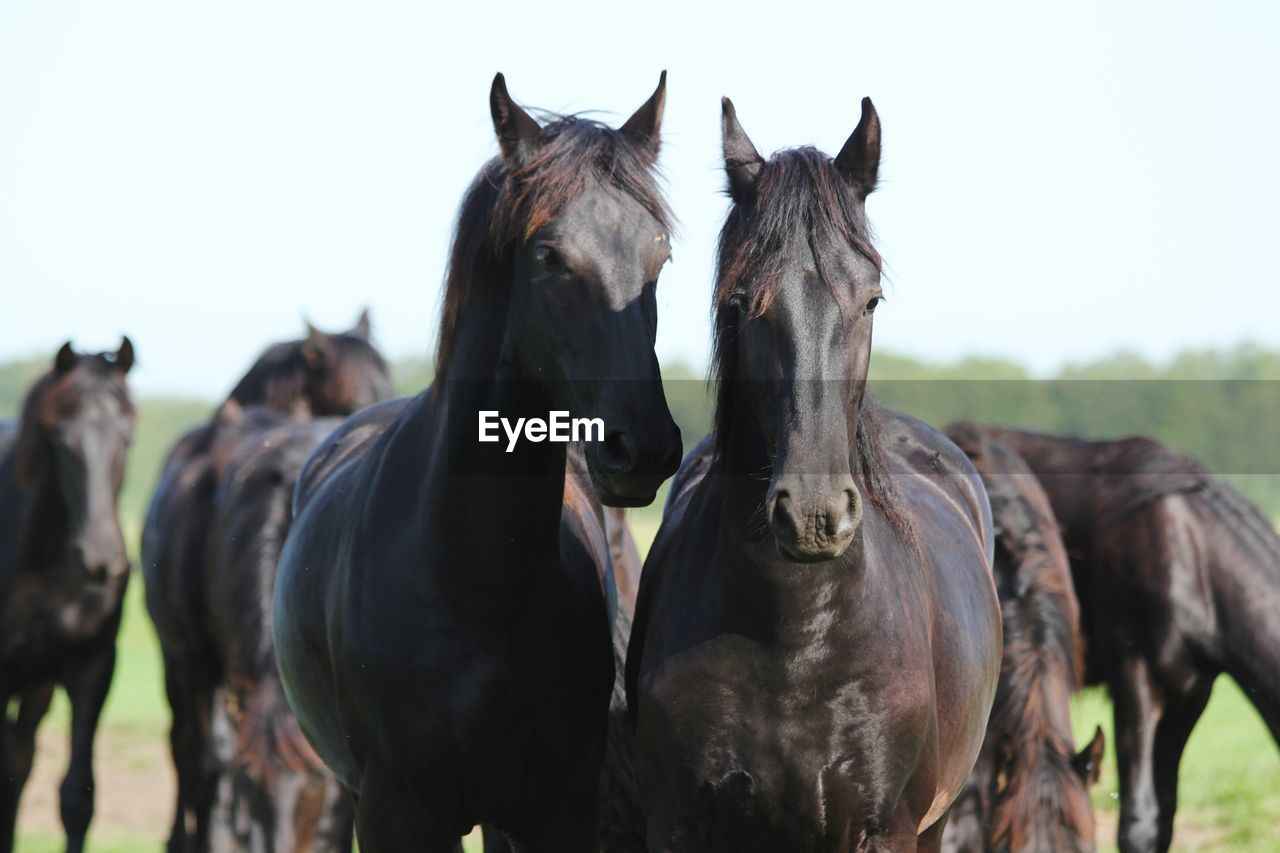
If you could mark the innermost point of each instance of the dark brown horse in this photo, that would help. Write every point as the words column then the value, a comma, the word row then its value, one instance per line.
column 442, row 621
column 63, row 568
column 276, row 794
column 1178, row 579
column 321, row 374
column 1029, row 790
column 817, row 637
column 621, row 821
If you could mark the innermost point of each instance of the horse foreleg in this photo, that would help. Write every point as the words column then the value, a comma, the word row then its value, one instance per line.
column 1181, row 713
column 1138, row 706
column 9, row 792
column 930, row 841
column 32, row 707
column 190, row 692
column 390, row 818
column 87, row 689
column 495, row 841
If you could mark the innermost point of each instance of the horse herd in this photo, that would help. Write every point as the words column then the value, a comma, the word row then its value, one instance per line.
column 852, row 632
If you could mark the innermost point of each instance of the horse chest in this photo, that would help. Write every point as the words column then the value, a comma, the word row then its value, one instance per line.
column 43, row 616
column 797, row 756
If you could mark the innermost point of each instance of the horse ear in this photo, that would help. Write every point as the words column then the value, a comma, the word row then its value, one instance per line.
column 229, row 413
column 65, row 360
column 1088, row 762
column 645, row 125
column 317, row 347
column 859, row 159
column 363, row 327
column 124, row 355
column 742, row 162
column 519, row 134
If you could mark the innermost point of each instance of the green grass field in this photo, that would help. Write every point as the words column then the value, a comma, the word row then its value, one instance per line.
column 1229, row 799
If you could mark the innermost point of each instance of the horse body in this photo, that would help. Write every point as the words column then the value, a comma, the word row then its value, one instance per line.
column 275, row 795
column 812, row 711
column 319, row 374
column 1029, row 790
column 1179, row 580
column 519, row 627
column 816, row 641
column 450, row 667
column 63, row 568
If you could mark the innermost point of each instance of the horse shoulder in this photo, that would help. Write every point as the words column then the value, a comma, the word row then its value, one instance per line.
column 937, row 469
column 675, row 579
column 353, row 438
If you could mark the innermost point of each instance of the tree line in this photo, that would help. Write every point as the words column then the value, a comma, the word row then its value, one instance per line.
column 1219, row 405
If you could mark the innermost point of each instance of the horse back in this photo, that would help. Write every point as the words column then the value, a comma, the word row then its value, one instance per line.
column 352, row 440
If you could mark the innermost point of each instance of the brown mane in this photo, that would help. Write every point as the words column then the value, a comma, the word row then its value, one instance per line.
column 799, row 193
column 1042, row 660
column 504, row 207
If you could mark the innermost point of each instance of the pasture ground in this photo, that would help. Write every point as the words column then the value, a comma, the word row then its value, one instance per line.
column 1229, row 794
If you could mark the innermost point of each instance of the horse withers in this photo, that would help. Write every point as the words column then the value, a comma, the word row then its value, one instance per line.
column 817, row 638
column 63, row 567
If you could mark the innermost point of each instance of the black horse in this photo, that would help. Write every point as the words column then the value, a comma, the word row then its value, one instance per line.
column 321, row 374
column 441, row 612
column 817, row 637
column 1030, row 789
column 63, row 568
column 276, row 796
column 1179, row 581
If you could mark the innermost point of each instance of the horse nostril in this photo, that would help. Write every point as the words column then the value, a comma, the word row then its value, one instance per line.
column 617, row 452
column 780, row 512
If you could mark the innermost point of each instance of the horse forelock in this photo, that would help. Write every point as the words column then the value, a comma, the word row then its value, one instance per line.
column 505, row 206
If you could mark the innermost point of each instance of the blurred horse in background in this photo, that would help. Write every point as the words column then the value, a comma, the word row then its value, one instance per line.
column 1178, row 579
column 1029, row 790
column 275, row 795
column 321, row 374
column 63, row 568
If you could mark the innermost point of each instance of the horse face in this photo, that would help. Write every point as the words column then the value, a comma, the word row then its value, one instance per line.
column 806, row 361
column 802, row 301
column 88, row 419
column 345, row 371
column 583, row 316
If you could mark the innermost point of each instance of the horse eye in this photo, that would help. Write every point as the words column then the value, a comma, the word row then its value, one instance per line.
column 873, row 304
column 548, row 257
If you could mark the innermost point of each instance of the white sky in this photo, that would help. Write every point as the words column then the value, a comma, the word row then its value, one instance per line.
column 1059, row 180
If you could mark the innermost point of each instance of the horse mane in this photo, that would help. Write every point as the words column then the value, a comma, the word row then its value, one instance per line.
column 1141, row 471
column 799, row 193
column 1043, row 646
column 55, row 395
column 505, row 206
column 268, row 737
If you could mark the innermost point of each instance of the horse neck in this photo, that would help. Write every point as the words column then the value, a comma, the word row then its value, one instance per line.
column 278, row 379
column 766, row 596
column 1244, row 576
column 505, row 505
column 1031, row 709
column 38, row 515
